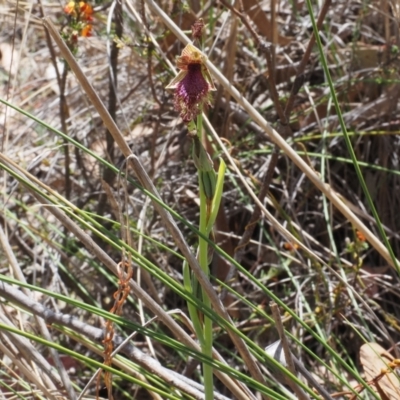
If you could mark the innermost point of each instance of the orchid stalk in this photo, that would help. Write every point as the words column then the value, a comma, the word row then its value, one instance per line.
column 192, row 87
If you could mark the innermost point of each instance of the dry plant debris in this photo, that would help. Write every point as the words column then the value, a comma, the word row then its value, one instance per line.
column 339, row 292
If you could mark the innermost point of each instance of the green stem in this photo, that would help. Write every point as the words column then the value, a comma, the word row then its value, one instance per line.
column 203, row 261
column 193, row 312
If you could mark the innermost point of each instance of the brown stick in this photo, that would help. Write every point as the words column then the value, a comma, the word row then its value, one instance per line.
column 288, row 355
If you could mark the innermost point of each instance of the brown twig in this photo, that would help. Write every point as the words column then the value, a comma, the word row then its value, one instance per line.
column 288, row 355
column 64, row 112
column 108, row 175
column 113, row 83
column 299, row 79
column 293, row 363
column 64, row 115
column 150, row 48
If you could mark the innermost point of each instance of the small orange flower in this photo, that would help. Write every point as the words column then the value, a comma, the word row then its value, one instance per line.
column 360, row 236
column 290, row 246
column 70, row 8
column 86, row 31
column 81, row 16
column 82, row 11
column 86, row 10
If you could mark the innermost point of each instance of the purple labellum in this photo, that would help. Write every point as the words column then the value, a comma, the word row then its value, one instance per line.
column 191, row 93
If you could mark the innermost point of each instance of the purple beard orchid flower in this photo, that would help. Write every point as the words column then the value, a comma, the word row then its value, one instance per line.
column 192, row 84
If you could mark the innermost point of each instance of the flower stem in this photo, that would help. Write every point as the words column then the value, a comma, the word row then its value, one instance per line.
column 193, row 312
column 207, row 344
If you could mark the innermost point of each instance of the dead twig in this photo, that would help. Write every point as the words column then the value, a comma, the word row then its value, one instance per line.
column 288, row 355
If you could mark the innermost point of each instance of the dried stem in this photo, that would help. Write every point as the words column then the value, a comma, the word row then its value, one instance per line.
column 288, row 355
